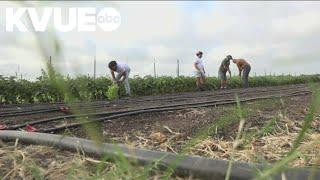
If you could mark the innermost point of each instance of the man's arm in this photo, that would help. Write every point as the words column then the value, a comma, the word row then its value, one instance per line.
column 225, row 67
column 204, row 71
column 113, row 76
column 196, row 66
column 123, row 76
column 203, row 74
column 229, row 72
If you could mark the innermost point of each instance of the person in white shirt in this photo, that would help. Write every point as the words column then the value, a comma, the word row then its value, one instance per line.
column 200, row 72
column 123, row 72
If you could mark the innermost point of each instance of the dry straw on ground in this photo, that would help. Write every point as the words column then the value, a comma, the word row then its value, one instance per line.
column 268, row 148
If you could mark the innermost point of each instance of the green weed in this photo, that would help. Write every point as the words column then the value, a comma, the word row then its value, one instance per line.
column 113, row 92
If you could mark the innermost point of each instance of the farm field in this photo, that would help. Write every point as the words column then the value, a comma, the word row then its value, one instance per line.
column 159, row 90
column 194, row 123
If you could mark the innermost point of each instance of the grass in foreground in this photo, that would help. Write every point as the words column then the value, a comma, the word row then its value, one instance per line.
column 277, row 139
column 265, row 141
column 41, row 162
column 227, row 122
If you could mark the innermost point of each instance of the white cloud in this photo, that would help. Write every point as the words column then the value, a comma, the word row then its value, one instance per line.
column 297, row 25
column 273, row 36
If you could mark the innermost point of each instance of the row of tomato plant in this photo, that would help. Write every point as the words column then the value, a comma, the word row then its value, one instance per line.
column 14, row 90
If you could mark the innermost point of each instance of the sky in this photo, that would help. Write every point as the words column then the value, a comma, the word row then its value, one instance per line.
column 274, row 37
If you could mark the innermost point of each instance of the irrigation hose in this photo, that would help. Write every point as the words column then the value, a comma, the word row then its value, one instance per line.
column 29, row 113
column 174, row 108
column 106, row 113
column 193, row 105
column 210, row 94
column 197, row 167
column 43, row 110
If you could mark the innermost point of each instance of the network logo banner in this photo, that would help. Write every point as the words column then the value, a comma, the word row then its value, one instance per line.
column 62, row 19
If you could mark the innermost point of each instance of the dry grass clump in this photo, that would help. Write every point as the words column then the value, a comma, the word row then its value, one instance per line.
column 259, row 146
column 41, row 162
column 165, row 140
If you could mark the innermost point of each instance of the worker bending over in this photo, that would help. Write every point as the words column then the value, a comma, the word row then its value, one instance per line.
column 123, row 72
column 244, row 68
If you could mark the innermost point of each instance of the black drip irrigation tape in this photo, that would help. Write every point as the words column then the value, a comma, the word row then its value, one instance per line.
column 41, row 105
column 196, row 167
column 28, row 107
column 39, row 111
column 106, row 114
column 168, row 108
column 225, row 92
column 115, row 112
column 60, row 118
column 100, row 104
column 168, row 97
column 29, row 112
column 54, row 108
column 209, row 94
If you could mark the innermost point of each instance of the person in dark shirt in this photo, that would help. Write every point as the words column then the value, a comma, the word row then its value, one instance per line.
column 224, row 68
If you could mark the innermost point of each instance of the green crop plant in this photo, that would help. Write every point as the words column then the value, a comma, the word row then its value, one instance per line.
column 113, row 92
column 84, row 88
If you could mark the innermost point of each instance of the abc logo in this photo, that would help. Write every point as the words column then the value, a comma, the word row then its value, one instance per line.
column 108, row 19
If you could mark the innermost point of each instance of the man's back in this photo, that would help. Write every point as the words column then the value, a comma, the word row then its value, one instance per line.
column 241, row 63
column 121, row 67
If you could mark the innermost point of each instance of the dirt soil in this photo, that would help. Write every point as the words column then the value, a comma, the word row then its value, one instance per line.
column 189, row 130
column 187, row 123
column 175, row 131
